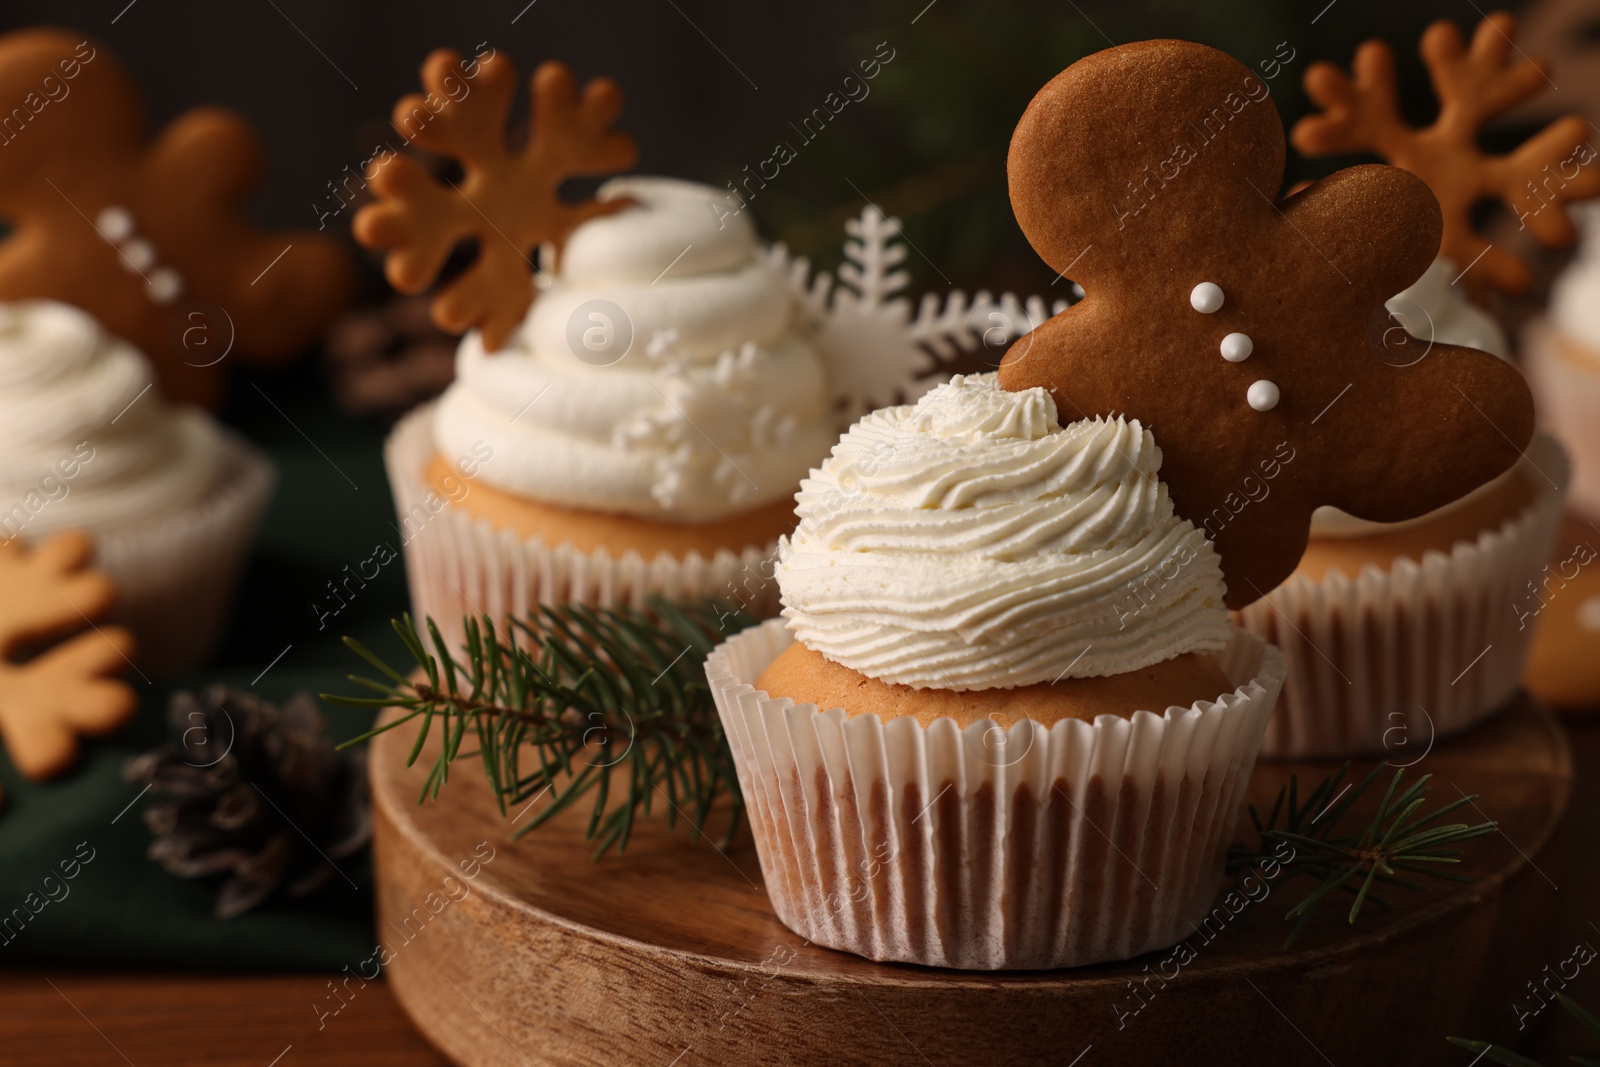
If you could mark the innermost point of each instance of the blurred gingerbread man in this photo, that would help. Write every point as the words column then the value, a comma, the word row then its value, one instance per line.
column 149, row 235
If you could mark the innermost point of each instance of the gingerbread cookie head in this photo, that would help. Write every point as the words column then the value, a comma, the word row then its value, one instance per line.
column 1248, row 334
column 1474, row 84
column 149, row 234
column 508, row 199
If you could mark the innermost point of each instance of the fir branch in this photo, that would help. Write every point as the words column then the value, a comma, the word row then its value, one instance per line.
column 1399, row 840
column 577, row 701
column 1488, row 1050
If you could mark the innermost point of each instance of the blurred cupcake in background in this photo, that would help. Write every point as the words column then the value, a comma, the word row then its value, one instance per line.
column 1562, row 355
column 170, row 499
column 641, row 433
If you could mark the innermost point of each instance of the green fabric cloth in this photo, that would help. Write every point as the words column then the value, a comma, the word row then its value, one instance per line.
column 332, row 507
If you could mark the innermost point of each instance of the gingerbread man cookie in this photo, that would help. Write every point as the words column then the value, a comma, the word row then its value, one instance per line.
column 149, row 235
column 1249, row 335
column 508, row 199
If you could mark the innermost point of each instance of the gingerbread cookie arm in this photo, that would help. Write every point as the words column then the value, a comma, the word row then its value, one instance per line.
column 276, row 288
column 1460, row 417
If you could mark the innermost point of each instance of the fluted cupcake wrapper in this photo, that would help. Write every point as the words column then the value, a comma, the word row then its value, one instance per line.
column 1565, row 378
column 176, row 574
column 1390, row 660
column 987, row 848
column 458, row 566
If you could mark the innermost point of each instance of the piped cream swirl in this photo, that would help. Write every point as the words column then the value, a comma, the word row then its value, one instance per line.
column 970, row 541
column 86, row 439
column 1575, row 297
column 718, row 406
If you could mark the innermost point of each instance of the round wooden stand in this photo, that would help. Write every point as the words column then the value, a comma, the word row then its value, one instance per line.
column 527, row 953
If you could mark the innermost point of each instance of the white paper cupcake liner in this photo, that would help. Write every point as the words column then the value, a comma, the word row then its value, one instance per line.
column 982, row 848
column 176, row 575
column 1388, row 661
column 458, row 566
column 1567, row 394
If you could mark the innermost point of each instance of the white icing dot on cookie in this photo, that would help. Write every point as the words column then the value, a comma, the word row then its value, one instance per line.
column 166, row 285
column 138, row 254
column 115, row 223
column 1262, row 395
column 1589, row 614
column 1236, row 347
column 1206, row 297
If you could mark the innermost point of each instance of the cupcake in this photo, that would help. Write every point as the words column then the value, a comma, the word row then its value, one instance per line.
column 170, row 499
column 641, row 433
column 1561, row 351
column 1396, row 634
column 1561, row 604
column 963, row 746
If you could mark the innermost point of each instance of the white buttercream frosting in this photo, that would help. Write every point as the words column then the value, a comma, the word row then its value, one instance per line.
column 1436, row 308
column 1575, row 297
column 86, row 440
column 718, row 405
column 970, row 541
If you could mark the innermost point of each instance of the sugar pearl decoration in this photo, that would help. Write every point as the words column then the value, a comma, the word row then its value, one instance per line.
column 1236, row 347
column 1206, row 297
column 166, row 285
column 115, row 223
column 138, row 254
column 1262, row 395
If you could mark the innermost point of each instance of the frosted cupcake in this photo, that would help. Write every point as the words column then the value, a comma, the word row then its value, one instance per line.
column 1562, row 355
column 170, row 499
column 641, row 433
column 964, row 745
column 1399, row 633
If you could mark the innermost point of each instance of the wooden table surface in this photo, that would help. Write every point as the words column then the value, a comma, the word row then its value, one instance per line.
column 83, row 1019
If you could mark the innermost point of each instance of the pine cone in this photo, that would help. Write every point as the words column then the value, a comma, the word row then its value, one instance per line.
column 387, row 360
column 253, row 792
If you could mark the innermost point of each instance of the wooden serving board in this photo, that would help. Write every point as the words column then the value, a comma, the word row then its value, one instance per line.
column 670, row 954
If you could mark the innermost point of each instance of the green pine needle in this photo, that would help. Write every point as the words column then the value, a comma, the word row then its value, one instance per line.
column 1400, row 838
column 608, row 704
column 1500, row 1054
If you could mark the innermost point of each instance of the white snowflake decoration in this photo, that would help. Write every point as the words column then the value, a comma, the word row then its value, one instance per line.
column 876, row 351
column 685, row 458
